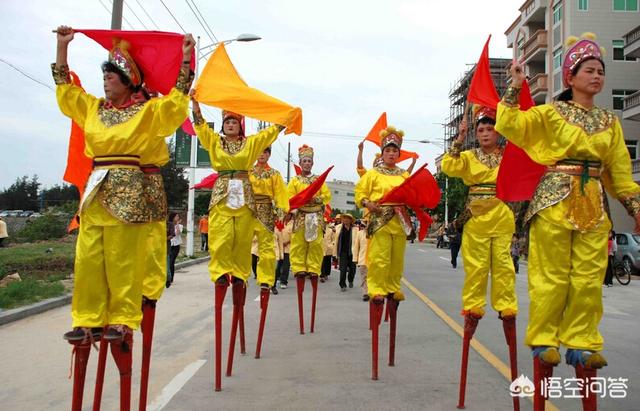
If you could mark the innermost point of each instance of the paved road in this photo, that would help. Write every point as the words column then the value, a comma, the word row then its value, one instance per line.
column 326, row 370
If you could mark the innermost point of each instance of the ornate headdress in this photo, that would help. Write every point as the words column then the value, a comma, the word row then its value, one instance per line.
column 120, row 57
column 480, row 112
column 305, row 151
column 226, row 114
column 391, row 136
column 579, row 50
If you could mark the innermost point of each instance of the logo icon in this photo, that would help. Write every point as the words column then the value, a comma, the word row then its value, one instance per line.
column 522, row 387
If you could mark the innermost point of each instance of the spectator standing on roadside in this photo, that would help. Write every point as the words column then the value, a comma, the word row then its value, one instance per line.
column 3, row 231
column 176, row 241
column 203, row 227
column 455, row 239
column 612, row 247
column 360, row 257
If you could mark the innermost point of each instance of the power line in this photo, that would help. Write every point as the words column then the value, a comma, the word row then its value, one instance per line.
column 135, row 15
column 145, row 12
column 26, row 75
column 200, row 22
column 203, row 19
column 174, row 17
column 109, row 12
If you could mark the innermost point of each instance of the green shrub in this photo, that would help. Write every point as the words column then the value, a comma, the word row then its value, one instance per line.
column 28, row 291
column 47, row 227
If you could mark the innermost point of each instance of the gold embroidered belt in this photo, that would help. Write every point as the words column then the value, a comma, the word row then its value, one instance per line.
column 317, row 208
column 577, row 168
column 236, row 174
column 262, row 199
column 117, row 161
column 482, row 190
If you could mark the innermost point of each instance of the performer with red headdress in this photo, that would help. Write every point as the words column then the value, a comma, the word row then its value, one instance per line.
column 122, row 132
column 308, row 231
column 489, row 225
column 584, row 151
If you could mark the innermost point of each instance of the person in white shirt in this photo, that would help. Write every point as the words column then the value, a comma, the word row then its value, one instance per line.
column 175, row 242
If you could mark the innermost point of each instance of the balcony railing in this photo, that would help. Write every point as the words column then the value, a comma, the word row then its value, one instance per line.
column 632, row 100
column 635, row 166
column 632, row 36
column 536, row 42
column 538, row 84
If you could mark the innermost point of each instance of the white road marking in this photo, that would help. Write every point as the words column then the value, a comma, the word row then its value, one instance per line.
column 257, row 298
column 175, row 385
column 444, row 258
column 421, row 250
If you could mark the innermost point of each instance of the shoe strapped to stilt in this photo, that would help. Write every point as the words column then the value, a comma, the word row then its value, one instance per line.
column 83, row 334
column 476, row 313
column 223, row 279
column 398, row 296
column 587, row 359
column 507, row 313
column 549, row 355
column 117, row 332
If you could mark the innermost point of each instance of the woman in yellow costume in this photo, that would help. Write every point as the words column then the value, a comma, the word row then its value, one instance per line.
column 389, row 225
column 272, row 203
column 486, row 243
column 122, row 132
column 307, row 251
column 231, row 213
column 583, row 149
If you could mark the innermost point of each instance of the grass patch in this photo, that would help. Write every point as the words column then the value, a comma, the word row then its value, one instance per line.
column 196, row 254
column 40, row 260
column 29, row 291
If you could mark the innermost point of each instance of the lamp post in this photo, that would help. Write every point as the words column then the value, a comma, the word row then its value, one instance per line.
column 194, row 140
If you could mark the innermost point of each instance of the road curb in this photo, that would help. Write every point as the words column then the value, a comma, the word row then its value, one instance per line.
column 15, row 314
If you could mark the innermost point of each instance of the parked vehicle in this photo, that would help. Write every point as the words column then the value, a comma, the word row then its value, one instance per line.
column 628, row 250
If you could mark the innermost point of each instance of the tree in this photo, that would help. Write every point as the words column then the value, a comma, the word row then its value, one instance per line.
column 59, row 195
column 456, row 195
column 22, row 195
column 175, row 184
column 202, row 199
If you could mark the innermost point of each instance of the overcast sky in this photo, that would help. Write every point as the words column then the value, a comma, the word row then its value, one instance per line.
column 344, row 62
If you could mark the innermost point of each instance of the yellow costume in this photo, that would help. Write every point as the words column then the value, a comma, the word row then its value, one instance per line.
column 271, row 203
column 118, row 202
column 232, row 206
column 387, row 231
column 584, row 150
column 486, row 243
column 308, row 228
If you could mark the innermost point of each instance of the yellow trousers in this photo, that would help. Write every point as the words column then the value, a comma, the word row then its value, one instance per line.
column 306, row 256
column 230, row 235
column 155, row 271
column 566, row 270
column 266, row 270
column 385, row 259
column 483, row 255
column 107, row 275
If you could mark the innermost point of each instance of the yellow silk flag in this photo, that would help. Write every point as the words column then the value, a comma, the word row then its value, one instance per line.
column 220, row 86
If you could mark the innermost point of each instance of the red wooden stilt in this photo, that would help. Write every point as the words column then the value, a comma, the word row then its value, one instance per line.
column 470, row 324
column 314, row 298
column 386, row 314
column 148, row 320
column 300, row 287
column 376, row 305
column 589, row 399
column 264, row 304
column 236, row 288
column 393, row 317
column 509, row 327
column 542, row 371
column 243, row 348
column 102, row 363
column 81, row 350
column 122, row 352
column 221, row 289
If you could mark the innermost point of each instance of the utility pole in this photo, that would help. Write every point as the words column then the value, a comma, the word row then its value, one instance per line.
column 116, row 15
column 288, row 161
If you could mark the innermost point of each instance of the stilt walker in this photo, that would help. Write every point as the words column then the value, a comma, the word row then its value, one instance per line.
column 389, row 225
column 308, row 231
column 272, row 203
column 231, row 216
column 489, row 225
column 120, row 131
column 583, row 150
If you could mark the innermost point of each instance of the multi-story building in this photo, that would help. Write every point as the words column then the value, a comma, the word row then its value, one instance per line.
column 342, row 195
column 537, row 38
column 458, row 100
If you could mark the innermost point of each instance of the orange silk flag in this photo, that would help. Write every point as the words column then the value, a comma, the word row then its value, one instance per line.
column 374, row 137
column 417, row 192
column 78, row 164
column 221, row 86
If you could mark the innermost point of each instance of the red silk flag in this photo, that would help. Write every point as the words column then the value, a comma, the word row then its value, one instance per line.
column 79, row 166
column 482, row 90
column 518, row 175
column 374, row 137
column 221, row 86
column 304, row 196
column 297, row 169
column 157, row 54
column 187, row 127
column 327, row 213
column 207, row 182
column 417, row 192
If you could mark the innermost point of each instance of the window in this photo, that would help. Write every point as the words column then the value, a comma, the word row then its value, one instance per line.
column 618, row 51
column 621, row 239
column 336, row 192
column 351, row 195
column 350, row 202
column 557, row 59
column 520, row 45
column 632, row 146
column 618, row 98
column 557, row 13
column 625, row 5
column 583, row 5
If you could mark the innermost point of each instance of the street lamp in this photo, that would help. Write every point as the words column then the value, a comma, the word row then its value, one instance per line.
column 194, row 141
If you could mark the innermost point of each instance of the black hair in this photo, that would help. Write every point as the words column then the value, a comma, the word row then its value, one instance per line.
column 567, row 94
column 109, row 67
column 172, row 215
column 485, row 120
column 268, row 149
